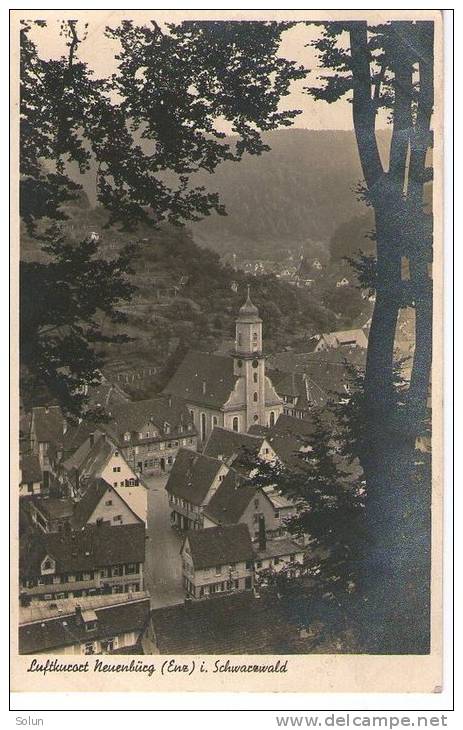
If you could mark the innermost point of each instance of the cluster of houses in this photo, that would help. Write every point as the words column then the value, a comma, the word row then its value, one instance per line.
column 83, row 496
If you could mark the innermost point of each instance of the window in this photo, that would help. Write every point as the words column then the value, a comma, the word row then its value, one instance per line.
column 239, row 339
column 131, row 568
column 116, row 453
column 108, row 502
column 116, row 468
column 255, row 377
column 248, row 564
column 192, row 415
column 108, row 645
column 117, row 518
column 272, row 418
column 127, row 436
column 203, row 426
column 276, row 561
column 256, row 503
column 259, row 564
column 235, row 423
column 292, row 557
column 256, row 418
column 277, row 514
column 88, row 647
column 218, row 569
column 248, row 582
column 214, row 421
column 47, row 565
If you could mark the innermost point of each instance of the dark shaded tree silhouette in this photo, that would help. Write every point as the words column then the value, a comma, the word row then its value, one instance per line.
column 390, row 67
column 148, row 128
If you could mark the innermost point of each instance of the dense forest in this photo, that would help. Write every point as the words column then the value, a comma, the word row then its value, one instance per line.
column 282, row 199
column 285, row 198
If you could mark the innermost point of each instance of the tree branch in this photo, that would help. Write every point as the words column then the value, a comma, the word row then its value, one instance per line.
column 363, row 107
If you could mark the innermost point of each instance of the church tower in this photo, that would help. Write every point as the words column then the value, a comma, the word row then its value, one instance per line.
column 249, row 362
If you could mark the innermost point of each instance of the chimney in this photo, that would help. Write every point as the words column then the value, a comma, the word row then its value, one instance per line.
column 204, row 387
column 262, row 533
column 91, row 439
column 78, row 610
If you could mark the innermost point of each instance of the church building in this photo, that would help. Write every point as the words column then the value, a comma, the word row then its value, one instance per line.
column 229, row 391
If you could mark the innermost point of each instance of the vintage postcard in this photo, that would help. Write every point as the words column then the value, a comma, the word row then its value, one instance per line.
column 227, row 350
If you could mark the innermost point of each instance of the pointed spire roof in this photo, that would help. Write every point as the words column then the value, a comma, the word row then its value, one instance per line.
column 248, row 309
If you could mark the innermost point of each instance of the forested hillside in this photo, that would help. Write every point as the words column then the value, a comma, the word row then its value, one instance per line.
column 294, row 195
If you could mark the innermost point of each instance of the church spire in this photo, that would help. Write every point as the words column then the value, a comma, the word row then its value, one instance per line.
column 248, row 309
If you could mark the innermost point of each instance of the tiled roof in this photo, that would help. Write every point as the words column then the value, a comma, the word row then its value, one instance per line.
column 86, row 549
column 346, row 336
column 123, row 614
column 30, row 469
column 53, row 508
column 203, row 378
column 326, row 372
column 48, row 424
column 90, row 460
column 131, row 417
column 236, row 624
column 287, row 437
column 278, row 548
column 75, row 436
column 106, row 395
column 220, row 545
column 278, row 500
column 229, row 502
column 289, row 384
column 301, row 427
column 192, row 475
column 95, row 492
column 240, row 448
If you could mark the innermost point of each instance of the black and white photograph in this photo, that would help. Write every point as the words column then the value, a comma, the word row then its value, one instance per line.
column 229, row 427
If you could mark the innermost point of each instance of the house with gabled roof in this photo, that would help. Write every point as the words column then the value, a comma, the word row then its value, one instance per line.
column 342, row 339
column 95, row 560
column 297, row 394
column 240, row 450
column 101, row 504
column 238, row 501
column 231, row 391
column 192, row 481
column 100, row 458
column 150, row 432
column 217, row 560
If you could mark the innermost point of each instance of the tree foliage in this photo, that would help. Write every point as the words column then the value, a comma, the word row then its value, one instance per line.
column 170, row 88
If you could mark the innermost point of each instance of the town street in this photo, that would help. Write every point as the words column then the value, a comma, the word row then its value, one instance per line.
column 163, row 567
